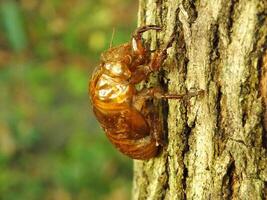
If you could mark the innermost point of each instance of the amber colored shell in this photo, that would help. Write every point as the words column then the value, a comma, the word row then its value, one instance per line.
column 112, row 95
column 129, row 118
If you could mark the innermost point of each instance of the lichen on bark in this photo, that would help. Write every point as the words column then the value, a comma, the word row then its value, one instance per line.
column 216, row 143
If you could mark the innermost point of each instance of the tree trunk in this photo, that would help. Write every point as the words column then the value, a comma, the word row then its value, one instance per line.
column 217, row 143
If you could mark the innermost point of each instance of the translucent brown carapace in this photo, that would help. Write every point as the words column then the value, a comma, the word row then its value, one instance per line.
column 130, row 122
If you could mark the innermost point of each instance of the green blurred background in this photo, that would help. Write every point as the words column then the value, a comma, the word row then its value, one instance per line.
column 51, row 146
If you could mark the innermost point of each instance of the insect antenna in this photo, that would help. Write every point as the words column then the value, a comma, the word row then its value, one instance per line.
column 112, row 37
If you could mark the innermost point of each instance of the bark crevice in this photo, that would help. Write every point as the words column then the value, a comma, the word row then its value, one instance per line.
column 231, row 17
column 191, row 8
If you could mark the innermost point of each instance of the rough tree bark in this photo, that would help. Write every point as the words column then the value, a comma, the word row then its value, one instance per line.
column 216, row 143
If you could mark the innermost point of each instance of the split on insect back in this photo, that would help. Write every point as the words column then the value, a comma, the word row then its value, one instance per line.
column 129, row 119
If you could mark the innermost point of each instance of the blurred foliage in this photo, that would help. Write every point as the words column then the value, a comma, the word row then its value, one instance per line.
column 51, row 147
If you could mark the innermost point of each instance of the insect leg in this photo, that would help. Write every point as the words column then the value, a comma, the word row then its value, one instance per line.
column 140, row 30
column 137, row 44
column 158, row 93
column 141, row 73
column 160, row 56
column 151, row 113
